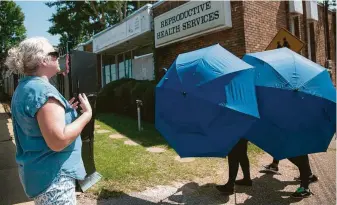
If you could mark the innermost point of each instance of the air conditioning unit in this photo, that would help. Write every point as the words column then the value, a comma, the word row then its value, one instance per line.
column 295, row 7
column 311, row 10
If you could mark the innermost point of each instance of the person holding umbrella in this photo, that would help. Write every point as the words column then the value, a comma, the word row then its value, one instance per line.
column 297, row 103
column 206, row 103
column 237, row 156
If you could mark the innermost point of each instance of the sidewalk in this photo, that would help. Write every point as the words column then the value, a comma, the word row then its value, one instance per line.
column 267, row 189
column 11, row 191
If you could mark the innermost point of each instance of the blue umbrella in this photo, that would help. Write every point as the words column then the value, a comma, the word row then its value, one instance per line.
column 297, row 104
column 206, row 102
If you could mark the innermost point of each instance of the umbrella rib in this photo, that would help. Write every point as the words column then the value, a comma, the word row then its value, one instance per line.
column 264, row 62
column 294, row 67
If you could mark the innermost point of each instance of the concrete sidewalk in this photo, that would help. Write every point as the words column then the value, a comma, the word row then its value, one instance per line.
column 267, row 189
column 11, row 191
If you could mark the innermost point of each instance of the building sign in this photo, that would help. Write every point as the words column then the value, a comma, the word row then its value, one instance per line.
column 110, row 37
column 286, row 39
column 191, row 19
column 133, row 26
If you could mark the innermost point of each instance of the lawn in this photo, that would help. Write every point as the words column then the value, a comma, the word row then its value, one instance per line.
column 128, row 168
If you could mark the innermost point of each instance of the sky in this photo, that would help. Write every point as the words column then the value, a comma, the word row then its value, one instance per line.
column 36, row 19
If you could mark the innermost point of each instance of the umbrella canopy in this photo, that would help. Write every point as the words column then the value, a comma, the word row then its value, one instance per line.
column 206, row 102
column 297, row 104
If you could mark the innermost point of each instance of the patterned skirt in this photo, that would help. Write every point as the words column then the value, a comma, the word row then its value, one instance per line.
column 60, row 192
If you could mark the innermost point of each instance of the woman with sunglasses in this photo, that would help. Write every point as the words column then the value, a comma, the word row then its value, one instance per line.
column 46, row 126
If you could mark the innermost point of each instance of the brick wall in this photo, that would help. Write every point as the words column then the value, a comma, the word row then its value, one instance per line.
column 232, row 39
column 254, row 25
column 321, row 54
column 320, row 49
column 262, row 21
column 262, row 24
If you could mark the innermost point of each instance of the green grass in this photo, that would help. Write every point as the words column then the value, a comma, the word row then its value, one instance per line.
column 131, row 168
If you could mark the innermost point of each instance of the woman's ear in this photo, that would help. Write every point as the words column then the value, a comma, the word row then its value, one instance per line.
column 44, row 62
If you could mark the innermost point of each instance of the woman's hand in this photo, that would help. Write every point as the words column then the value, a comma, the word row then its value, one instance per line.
column 85, row 105
column 73, row 105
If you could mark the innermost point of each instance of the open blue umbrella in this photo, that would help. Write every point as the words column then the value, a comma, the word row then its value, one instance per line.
column 206, row 102
column 297, row 104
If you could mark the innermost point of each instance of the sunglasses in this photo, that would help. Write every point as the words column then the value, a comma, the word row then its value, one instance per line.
column 54, row 54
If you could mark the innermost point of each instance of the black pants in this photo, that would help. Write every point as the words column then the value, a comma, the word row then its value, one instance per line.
column 237, row 156
column 303, row 165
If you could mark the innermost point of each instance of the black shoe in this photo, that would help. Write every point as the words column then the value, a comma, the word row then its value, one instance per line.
column 301, row 193
column 244, row 182
column 271, row 167
column 312, row 179
column 225, row 189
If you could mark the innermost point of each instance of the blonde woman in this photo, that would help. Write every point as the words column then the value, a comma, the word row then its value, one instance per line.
column 46, row 126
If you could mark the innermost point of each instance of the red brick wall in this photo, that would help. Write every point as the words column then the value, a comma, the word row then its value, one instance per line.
column 262, row 24
column 321, row 54
column 254, row 24
column 262, row 21
column 232, row 39
column 320, row 38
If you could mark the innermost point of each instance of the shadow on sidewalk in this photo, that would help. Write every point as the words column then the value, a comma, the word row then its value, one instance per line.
column 11, row 190
column 189, row 194
column 119, row 198
column 193, row 194
column 268, row 190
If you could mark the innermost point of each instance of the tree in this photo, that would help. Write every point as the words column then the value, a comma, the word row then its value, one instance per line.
column 12, row 29
column 77, row 21
column 332, row 5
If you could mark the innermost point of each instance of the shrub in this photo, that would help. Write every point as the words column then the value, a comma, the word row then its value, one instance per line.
column 120, row 97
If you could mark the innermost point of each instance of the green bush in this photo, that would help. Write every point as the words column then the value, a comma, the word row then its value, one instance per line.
column 149, row 104
column 120, row 97
column 107, row 99
column 137, row 93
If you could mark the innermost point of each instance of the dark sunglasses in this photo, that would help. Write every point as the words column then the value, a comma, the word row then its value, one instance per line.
column 54, row 54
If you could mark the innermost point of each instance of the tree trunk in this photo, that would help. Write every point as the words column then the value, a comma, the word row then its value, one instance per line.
column 93, row 6
column 125, row 8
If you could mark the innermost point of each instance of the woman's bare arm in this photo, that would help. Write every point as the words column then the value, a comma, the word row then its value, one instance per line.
column 51, row 119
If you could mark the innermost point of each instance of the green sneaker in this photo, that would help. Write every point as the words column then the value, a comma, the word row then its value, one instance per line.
column 301, row 193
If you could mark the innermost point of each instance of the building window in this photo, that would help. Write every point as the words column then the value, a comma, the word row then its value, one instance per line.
column 294, row 26
column 128, row 64
column 311, row 41
column 108, row 69
column 107, row 74
column 113, row 72
column 121, row 66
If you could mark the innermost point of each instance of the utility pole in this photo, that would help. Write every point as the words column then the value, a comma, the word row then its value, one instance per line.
column 326, row 28
column 327, row 35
